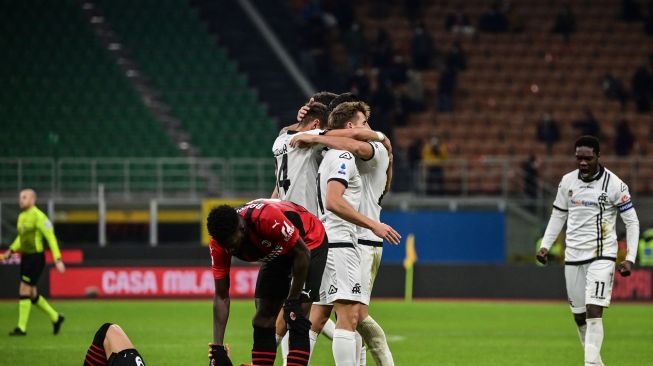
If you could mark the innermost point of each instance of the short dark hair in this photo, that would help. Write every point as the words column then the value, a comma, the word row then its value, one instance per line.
column 342, row 98
column 345, row 112
column 324, row 97
column 588, row 141
column 222, row 223
column 317, row 111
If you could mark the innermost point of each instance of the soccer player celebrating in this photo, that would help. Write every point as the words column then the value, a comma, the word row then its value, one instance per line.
column 375, row 167
column 292, row 244
column 588, row 199
column 33, row 226
column 111, row 347
column 339, row 196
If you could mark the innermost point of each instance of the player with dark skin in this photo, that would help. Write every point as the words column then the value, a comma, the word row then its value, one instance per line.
column 588, row 166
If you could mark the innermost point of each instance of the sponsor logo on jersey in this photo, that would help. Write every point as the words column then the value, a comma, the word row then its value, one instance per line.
column 583, row 203
column 276, row 223
column 332, row 290
column 346, row 155
column 287, row 230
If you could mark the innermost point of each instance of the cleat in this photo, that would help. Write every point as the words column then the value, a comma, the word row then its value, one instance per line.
column 17, row 332
column 56, row 326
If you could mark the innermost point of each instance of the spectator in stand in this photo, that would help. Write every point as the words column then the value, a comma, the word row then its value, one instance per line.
column 458, row 22
column 614, row 89
column 493, row 20
column 434, row 154
column 413, row 97
column 383, row 104
column 642, row 88
column 565, row 22
column 356, row 45
column 359, row 84
column 587, row 125
column 456, row 57
column 624, row 140
column 413, row 9
column 515, row 21
column 382, row 50
column 422, row 47
column 547, row 132
column 630, row 11
column 446, row 89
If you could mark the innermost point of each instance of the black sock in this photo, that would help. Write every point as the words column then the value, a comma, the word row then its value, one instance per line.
column 265, row 347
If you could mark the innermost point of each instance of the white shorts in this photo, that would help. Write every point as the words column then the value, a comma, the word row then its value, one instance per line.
column 342, row 275
column 589, row 283
column 370, row 262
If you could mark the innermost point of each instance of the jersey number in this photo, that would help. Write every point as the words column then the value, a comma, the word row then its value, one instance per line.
column 282, row 177
column 599, row 284
column 319, row 195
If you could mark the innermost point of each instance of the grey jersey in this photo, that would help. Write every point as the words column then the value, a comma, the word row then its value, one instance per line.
column 339, row 165
column 296, row 170
column 373, row 177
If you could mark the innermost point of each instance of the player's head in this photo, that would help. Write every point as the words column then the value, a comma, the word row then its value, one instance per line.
column 316, row 117
column 588, row 151
column 324, row 97
column 342, row 98
column 27, row 199
column 226, row 227
column 349, row 115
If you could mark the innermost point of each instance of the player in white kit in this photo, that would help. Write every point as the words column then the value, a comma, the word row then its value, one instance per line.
column 588, row 200
column 296, row 166
column 339, row 196
column 375, row 171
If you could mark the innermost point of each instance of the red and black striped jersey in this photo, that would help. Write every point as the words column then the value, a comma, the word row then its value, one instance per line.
column 273, row 229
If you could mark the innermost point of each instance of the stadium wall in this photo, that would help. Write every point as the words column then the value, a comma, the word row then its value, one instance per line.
column 519, row 282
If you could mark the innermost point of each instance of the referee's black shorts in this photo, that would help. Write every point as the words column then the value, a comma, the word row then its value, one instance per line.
column 31, row 267
column 274, row 277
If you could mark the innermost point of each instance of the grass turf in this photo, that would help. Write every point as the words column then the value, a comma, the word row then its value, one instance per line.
column 420, row 333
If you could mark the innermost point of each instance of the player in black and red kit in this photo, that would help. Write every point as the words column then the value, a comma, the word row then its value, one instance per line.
column 292, row 245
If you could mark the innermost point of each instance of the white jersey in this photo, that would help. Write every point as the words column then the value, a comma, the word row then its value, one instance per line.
column 296, row 170
column 592, row 207
column 373, row 176
column 338, row 165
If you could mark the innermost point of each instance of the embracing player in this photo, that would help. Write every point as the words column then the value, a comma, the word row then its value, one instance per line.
column 588, row 200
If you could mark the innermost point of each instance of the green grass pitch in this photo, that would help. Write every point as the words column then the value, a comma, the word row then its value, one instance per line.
column 419, row 333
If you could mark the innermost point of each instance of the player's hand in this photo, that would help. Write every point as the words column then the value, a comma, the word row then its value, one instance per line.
column 219, row 355
column 301, row 113
column 542, row 255
column 294, row 316
column 61, row 268
column 624, row 268
column 302, row 141
column 386, row 232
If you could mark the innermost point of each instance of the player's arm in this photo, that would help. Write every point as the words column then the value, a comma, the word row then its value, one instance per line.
column 360, row 134
column 301, row 261
column 631, row 221
column 337, row 204
column 45, row 226
column 221, row 305
column 275, row 192
column 388, row 174
column 556, row 222
column 360, row 149
column 13, row 248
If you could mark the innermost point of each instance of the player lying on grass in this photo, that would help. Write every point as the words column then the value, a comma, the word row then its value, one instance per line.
column 112, row 347
column 292, row 245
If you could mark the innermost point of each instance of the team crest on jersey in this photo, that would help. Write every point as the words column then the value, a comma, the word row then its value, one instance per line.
column 346, row 155
column 603, row 198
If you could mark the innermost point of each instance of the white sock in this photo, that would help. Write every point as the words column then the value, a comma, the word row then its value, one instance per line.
column 363, row 356
column 329, row 328
column 593, row 342
column 284, row 348
column 581, row 334
column 376, row 342
column 312, row 337
column 344, row 347
column 359, row 346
